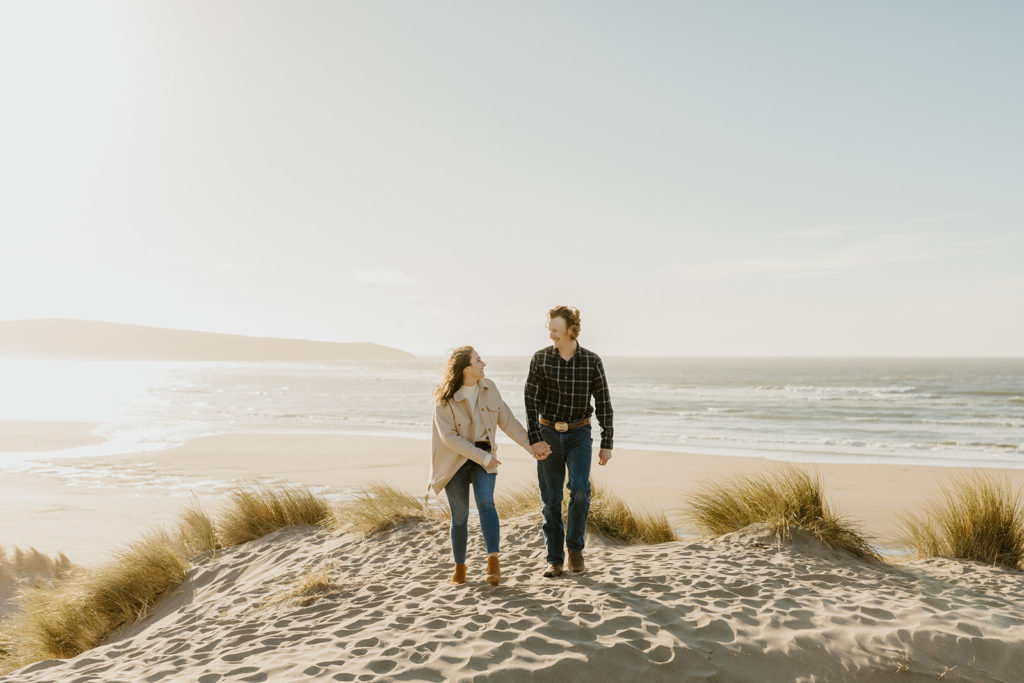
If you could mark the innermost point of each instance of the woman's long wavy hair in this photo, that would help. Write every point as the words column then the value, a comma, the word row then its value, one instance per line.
column 452, row 379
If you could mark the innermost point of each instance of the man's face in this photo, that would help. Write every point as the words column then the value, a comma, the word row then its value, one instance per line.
column 557, row 332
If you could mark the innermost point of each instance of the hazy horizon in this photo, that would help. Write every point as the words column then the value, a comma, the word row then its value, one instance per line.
column 440, row 356
column 701, row 180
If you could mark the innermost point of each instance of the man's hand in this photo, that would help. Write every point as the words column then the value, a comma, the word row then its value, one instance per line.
column 603, row 456
column 541, row 450
column 493, row 464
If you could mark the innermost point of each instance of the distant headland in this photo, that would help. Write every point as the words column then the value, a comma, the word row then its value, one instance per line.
column 56, row 338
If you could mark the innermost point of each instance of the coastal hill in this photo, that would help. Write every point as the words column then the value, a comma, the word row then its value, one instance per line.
column 91, row 340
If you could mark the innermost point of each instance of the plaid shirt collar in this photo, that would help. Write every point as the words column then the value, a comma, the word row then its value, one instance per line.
column 558, row 354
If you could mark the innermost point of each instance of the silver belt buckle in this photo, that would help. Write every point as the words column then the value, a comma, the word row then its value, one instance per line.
column 561, row 426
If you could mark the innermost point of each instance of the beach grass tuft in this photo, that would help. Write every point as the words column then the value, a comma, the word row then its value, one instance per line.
column 976, row 517
column 254, row 512
column 74, row 612
column 519, row 501
column 30, row 562
column 789, row 497
column 611, row 517
column 314, row 585
column 197, row 532
column 22, row 567
column 379, row 508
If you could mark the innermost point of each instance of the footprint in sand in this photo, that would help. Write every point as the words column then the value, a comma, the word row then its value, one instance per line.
column 542, row 646
column 382, row 666
column 661, row 654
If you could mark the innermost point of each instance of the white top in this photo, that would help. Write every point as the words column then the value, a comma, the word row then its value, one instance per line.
column 471, row 393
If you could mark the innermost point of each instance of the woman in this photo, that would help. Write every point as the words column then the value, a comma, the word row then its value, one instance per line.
column 467, row 412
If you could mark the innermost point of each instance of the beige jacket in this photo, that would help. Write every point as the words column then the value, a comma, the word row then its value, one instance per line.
column 450, row 445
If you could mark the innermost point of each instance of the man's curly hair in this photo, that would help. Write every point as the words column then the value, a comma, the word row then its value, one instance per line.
column 570, row 315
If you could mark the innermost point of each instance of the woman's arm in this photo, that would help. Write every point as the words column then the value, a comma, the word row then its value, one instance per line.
column 513, row 427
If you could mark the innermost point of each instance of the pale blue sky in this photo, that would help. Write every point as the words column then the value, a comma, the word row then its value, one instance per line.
column 792, row 178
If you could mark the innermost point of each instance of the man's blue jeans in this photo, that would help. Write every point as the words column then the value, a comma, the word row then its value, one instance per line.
column 457, row 491
column 570, row 451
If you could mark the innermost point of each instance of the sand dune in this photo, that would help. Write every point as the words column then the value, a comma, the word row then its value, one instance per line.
column 738, row 608
column 83, row 339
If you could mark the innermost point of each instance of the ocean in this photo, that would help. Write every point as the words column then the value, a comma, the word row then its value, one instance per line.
column 936, row 411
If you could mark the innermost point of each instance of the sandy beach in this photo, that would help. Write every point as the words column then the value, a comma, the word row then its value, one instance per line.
column 698, row 609
column 86, row 507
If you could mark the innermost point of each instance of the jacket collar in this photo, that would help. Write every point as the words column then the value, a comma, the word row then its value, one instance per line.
column 459, row 396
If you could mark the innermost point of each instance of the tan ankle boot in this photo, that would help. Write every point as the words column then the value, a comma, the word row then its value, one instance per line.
column 459, row 575
column 493, row 570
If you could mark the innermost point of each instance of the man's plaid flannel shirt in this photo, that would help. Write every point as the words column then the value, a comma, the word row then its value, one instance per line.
column 560, row 390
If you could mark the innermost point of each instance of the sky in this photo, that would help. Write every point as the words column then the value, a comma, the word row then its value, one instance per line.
column 698, row 178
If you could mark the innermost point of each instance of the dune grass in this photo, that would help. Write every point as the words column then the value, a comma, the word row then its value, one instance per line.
column 612, row 518
column 789, row 497
column 20, row 567
column 976, row 517
column 197, row 532
column 609, row 515
column 23, row 562
column 379, row 508
column 73, row 613
column 256, row 511
column 522, row 500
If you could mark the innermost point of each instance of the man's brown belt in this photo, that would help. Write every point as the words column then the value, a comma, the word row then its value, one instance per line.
column 565, row 426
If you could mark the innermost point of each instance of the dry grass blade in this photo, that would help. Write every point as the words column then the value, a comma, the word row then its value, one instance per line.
column 379, row 508
column 783, row 499
column 977, row 517
column 254, row 512
column 311, row 586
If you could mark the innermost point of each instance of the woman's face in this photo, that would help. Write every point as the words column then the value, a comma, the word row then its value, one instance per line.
column 475, row 369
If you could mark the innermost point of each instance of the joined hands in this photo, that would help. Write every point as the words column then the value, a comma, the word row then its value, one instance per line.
column 541, row 450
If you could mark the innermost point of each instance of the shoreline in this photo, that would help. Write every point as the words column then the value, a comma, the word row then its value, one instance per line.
column 86, row 507
column 40, row 440
column 44, row 436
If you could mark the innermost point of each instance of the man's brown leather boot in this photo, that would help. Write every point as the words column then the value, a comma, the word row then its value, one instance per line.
column 553, row 570
column 576, row 561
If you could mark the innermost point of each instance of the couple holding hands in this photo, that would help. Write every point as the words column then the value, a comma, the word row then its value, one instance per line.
column 468, row 410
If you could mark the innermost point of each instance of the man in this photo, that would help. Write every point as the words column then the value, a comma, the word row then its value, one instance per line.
column 563, row 378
